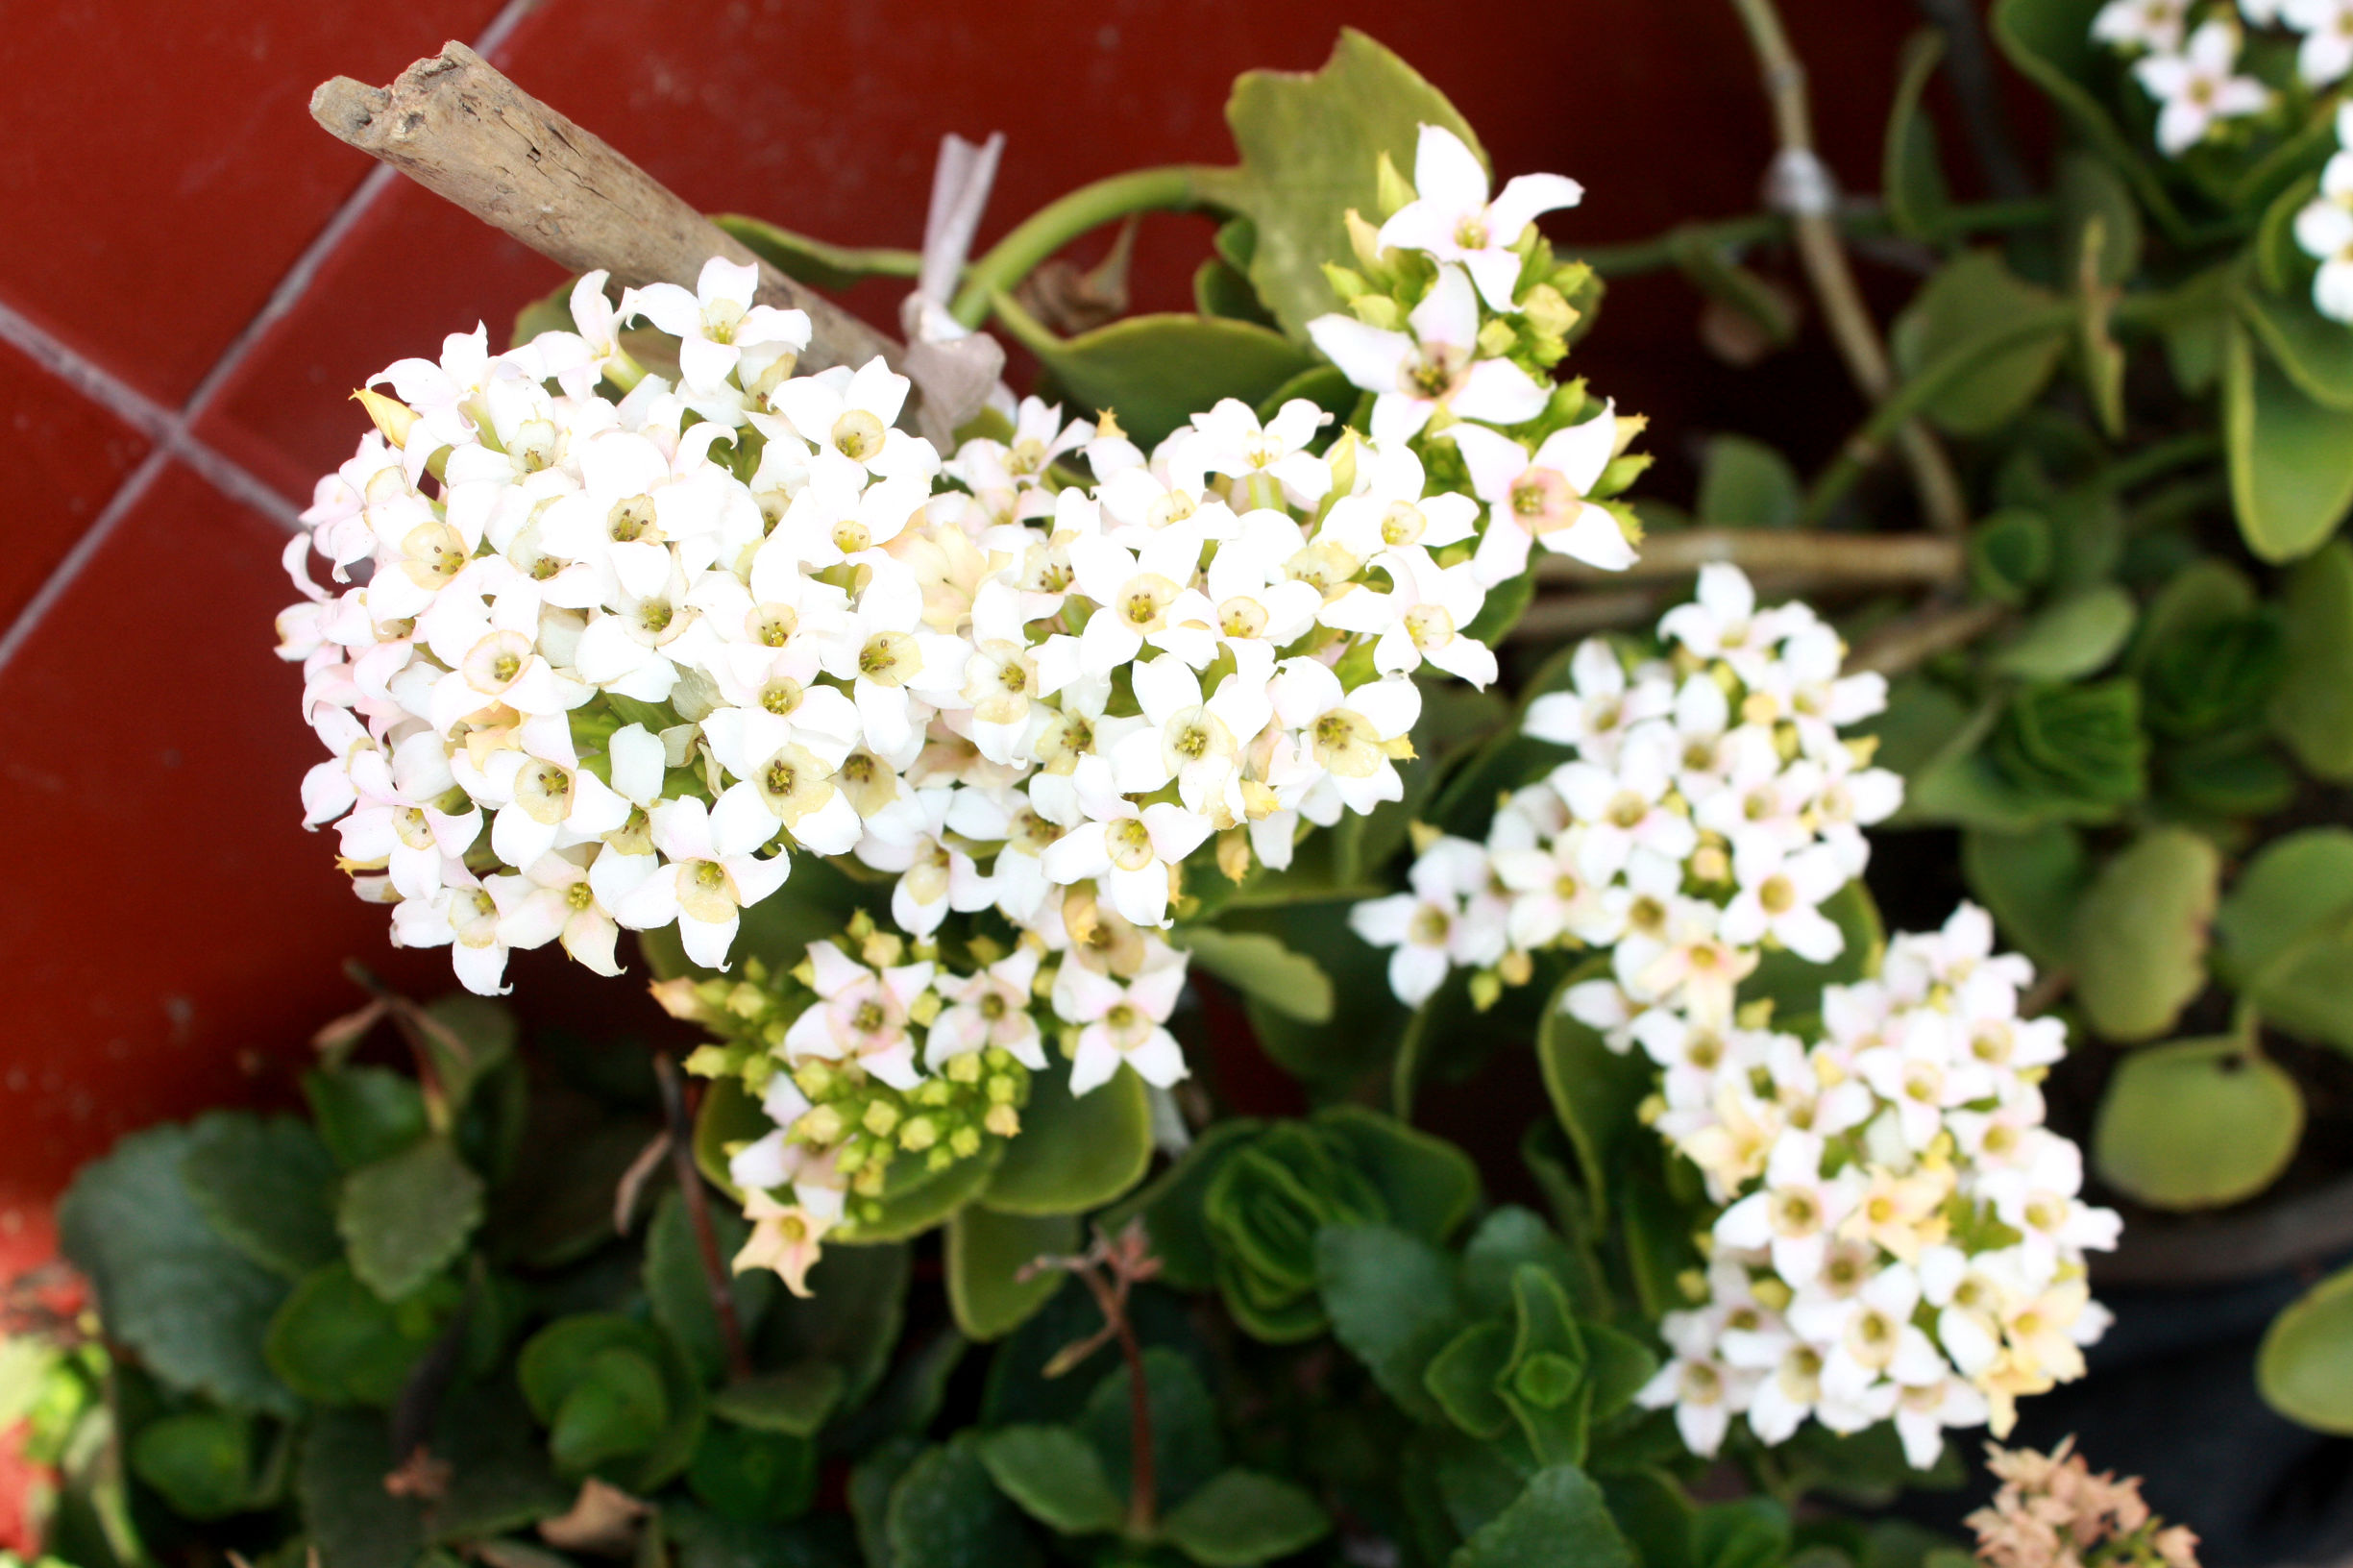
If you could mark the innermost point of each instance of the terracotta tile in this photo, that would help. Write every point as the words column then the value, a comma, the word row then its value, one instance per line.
column 65, row 457
column 177, row 936
column 161, row 171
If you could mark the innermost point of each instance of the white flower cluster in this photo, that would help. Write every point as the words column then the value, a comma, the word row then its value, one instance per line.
column 2193, row 74
column 1711, row 808
column 2324, row 225
column 1904, row 1238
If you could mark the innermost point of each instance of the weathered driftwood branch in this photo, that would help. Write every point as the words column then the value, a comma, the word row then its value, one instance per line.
column 1822, row 559
column 456, row 125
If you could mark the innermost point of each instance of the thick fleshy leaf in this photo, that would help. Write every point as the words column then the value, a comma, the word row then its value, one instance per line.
column 2141, row 933
column 1969, row 300
column 2091, row 193
column 2313, row 710
column 1748, row 484
column 2076, row 636
column 268, row 1186
column 337, row 1342
column 1260, row 966
column 403, row 1218
column 2197, row 1124
column 1074, row 1153
column 339, row 1480
column 2051, row 42
column 793, row 1402
column 679, row 1292
column 193, row 1307
column 945, row 1511
column 200, row 1461
column 1171, row 1208
column 987, row 1253
column 1310, row 146
column 1462, row 1378
column 1391, row 1299
column 2315, row 353
column 1594, row 1092
column 1559, row 1520
column 753, row 1478
column 813, row 260
column 2285, row 934
column 2305, row 1367
column 1187, row 1443
column 850, row 1317
column 1239, row 1518
column 2031, row 882
column 1911, row 179
column 1056, row 1475
column 1158, row 371
column 2290, row 458
column 364, row 1115
column 1428, row 1184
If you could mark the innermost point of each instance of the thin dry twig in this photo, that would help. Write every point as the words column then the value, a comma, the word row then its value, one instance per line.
column 1802, row 190
column 697, row 1201
column 1822, row 558
column 1112, row 1267
column 1905, row 644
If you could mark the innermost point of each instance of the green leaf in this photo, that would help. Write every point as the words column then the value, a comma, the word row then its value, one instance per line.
column 364, row 1113
column 616, row 1408
column 266, row 1184
column 1391, row 1299
column 1171, row 1207
column 1428, row 1184
column 927, row 1197
column 191, row 1307
column 2197, row 1124
column 200, row 1461
column 478, row 1035
column 793, row 1403
column 500, row 1479
column 1462, row 1379
column 1241, row 1518
column 586, row 1377
column 2139, row 940
column 947, row 1512
column 1263, row 1212
column 2055, row 752
column 1619, row 1365
column 850, row 1317
column 986, row 1253
column 2285, row 934
column 1187, row 1446
column 406, row 1217
column 2290, row 458
column 1510, row 1236
column 2050, row 43
column 1560, row 1521
column 1747, row 485
column 1594, row 1091
column 1969, row 300
column 2315, row 353
column 337, row 1342
column 1055, row 1475
column 2032, row 883
column 1260, row 967
column 1911, row 180
column 339, row 1480
column 2090, row 192
column 1075, row 1152
column 1545, row 1381
column 1222, row 289
column 2313, row 710
column 2074, row 637
column 679, row 1292
column 1309, row 145
column 1157, row 371
column 757, row 1478
column 814, row 261
column 2010, row 554
column 1367, row 1021
column 2305, row 1367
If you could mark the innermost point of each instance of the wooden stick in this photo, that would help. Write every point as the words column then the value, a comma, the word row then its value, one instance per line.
column 456, row 125
column 1824, row 558
column 1901, row 645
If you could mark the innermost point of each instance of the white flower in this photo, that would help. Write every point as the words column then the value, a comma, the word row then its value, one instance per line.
column 1433, row 368
column 849, row 417
column 1419, row 618
column 1705, row 1392
column 1431, row 928
column 987, row 1006
column 1143, row 595
column 1540, row 497
column 717, row 327
column 1132, row 850
column 860, row 1016
column 1388, row 510
column 2154, row 25
column 1625, row 807
column 1783, row 901
column 708, row 878
column 1193, row 742
column 1231, row 441
column 2327, row 25
column 1451, row 220
column 569, row 896
column 1123, row 1022
column 1595, row 715
column 1349, row 735
column 2196, row 88
column 1792, row 1214
column 2324, row 229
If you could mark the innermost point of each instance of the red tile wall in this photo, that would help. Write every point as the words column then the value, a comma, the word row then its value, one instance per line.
column 169, row 934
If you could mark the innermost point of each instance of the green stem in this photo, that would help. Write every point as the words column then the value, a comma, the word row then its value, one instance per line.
column 1858, row 222
column 2178, row 451
column 1059, row 222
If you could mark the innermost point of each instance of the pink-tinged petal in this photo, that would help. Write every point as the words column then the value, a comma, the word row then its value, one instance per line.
column 1448, row 173
column 589, row 938
column 741, row 819
column 1496, row 460
column 651, row 904
column 1449, row 313
column 1502, row 549
column 1499, row 392
column 1383, row 923
column 1580, row 452
column 1594, row 538
column 1371, row 357
column 613, row 876
column 756, row 879
column 764, row 324
column 831, row 829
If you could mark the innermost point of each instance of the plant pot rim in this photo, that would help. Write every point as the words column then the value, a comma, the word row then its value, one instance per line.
column 2195, row 1251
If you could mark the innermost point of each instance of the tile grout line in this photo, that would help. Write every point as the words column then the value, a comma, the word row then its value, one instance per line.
column 170, row 430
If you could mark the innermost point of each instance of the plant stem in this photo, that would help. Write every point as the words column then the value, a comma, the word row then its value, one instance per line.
column 1831, row 559
column 1824, row 255
column 1143, row 1485
column 1902, row 645
column 1858, row 220
column 1973, row 82
column 1061, row 221
column 697, row 1201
